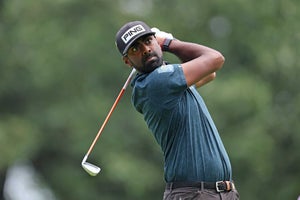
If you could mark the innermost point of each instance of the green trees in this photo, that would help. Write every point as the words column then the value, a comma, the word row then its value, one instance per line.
column 60, row 73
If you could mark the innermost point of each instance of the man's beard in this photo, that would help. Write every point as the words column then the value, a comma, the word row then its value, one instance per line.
column 149, row 66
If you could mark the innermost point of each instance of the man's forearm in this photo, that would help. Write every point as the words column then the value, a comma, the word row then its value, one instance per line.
column 187, row 51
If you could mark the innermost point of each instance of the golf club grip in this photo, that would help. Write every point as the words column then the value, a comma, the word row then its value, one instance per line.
column 111, row 111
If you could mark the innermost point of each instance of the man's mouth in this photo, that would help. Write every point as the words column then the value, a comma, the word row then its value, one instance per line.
column 150, row 58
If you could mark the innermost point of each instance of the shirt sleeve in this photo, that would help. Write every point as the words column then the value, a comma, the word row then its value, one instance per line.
column 166, row 85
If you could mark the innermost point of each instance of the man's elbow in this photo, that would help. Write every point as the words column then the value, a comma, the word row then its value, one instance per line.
column 219, row 60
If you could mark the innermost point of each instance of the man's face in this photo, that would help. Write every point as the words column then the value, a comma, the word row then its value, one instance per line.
column 144, row 54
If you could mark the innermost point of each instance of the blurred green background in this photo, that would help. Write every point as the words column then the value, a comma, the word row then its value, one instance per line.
column 60, row 73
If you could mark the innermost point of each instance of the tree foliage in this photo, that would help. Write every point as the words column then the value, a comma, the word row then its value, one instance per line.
column 60, row 73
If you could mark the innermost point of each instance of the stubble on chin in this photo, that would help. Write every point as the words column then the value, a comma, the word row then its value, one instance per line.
column 152, row 65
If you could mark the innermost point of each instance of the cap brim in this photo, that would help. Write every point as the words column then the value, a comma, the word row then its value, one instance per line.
column 131, row 42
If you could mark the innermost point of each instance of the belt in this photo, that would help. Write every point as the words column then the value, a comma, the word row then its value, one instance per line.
column 219, row 186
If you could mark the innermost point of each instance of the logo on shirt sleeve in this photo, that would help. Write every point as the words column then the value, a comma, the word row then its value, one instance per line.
column 165, row 68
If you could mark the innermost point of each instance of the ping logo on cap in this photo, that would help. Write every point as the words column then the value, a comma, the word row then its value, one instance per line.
column 133, row 31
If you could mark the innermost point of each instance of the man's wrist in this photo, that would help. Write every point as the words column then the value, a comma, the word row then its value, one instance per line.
column 166, row 44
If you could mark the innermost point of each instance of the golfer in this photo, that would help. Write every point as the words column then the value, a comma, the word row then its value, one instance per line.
column 196, row 163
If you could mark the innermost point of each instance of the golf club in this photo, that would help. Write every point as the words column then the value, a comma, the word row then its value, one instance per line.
column 91, row 169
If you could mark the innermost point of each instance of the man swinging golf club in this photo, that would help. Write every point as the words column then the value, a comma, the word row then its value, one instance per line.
column 196, row 163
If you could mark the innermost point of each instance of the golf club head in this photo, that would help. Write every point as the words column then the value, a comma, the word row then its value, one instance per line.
column 91, row 169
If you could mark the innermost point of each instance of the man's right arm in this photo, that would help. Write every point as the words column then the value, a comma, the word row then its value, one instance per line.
column 198, row 61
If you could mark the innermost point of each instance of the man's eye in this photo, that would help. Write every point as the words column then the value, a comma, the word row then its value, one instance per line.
column 134, row 49
column 148, row 41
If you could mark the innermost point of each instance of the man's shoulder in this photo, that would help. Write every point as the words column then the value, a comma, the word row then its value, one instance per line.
column 165, row 68
column 160, row 76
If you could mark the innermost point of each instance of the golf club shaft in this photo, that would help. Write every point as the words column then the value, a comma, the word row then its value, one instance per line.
column 111, row 111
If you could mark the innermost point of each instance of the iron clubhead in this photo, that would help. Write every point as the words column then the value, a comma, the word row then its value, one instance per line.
column 91, row 169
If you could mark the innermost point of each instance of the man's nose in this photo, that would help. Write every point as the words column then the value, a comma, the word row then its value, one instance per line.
column 146, row 49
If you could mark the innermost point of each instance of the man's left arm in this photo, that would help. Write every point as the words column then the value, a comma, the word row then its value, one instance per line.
column 206, row 80
column 161, row 37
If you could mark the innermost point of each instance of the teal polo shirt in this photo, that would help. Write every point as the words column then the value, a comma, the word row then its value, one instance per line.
column 182, row 126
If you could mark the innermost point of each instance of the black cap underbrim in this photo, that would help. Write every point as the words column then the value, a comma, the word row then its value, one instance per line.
column 131, row 42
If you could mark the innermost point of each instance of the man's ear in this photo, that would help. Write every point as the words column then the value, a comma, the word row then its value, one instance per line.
column 127, row 61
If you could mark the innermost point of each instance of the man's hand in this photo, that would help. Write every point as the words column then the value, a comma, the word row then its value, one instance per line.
column 161, row 36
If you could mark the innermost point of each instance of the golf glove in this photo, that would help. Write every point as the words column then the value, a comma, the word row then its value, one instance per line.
column 162, row 34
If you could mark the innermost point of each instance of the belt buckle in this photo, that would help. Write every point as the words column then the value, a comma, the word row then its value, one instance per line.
column 217, row 186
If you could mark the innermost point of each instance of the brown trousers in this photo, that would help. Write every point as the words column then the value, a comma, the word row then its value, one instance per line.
column 191, row 193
